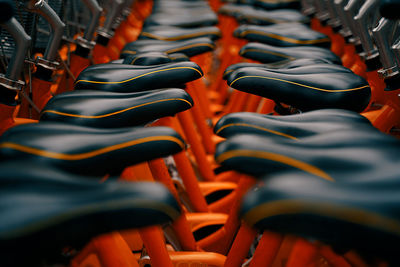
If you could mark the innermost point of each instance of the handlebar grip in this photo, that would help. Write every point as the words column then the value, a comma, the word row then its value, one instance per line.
column 390, row 9
column 7, row 10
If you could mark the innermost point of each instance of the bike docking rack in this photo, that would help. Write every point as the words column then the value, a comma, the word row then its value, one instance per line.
column 200, row 133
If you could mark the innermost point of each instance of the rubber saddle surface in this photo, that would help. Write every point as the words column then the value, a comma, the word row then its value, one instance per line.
column 44, row 210
column 87, row 150
column 130, row 78
column 113, row 110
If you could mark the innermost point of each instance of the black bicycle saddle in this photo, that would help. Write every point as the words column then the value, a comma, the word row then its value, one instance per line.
column 153, row 58
column 234, row 9
column 178, row 8
column 85, row 150
column 325, row 155
column 361, row 215
column 190, row 47
column 115, row 110
column 173, row 4
column 269, row 54
column 253, row 15
column 169, row 33
column 308, row 90
column 183, row 18
column 297, row 66
column 284, row 64
column 269, row 5
column 132, row 78
column 263, row 17
column 283, row 34
column 43, row 210
column 290, row 126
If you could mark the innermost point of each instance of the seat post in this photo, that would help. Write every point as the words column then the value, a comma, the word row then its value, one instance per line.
column 156, row 170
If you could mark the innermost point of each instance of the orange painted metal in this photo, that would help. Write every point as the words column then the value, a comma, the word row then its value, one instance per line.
column 253, row 103
column 303, row 254
column 383, row 119
column 186, row 123
column 78, row 63
column 99, row 54
column 267, row 106
column 377, row 87
column 109, row 250
column 184, row 233
column 6, row 117
column 334, row 259
column 196, row 259
column 154, row 243
column 348, row 57
column 223, row 204
column 190, row 182
column 267, row 249
column 144, row 172
column 199, row 118
column 241, row 246
column 198, row 220
column 221, row 240
column 160, row 173
column 41, row 94
column 200, row 90
column 284, row 250
column 132, row 238
column 355, row 260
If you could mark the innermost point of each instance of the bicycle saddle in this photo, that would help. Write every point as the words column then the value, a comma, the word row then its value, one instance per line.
column 174, row 6
column 363, row 216
column 308, row 90
column 43, row 210
column 264, row 17
column 284, row 64
column 153, row 58
column 85, row 150
column 181, row 7
column 268, row 53
column 253, row 15
column 115, row 110
column 269, row 5
column 182, row 18
column 325, row 155
column 147, row 59
column 295, row 68
column 234, row 9
column 190, row 47
column 290, row 126
column 130, row 78
column 284, row 34
column 168, row 33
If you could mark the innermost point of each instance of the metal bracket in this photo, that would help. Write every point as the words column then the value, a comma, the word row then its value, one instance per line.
column 85, row 43
column 16, row 85
column 47, row 64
